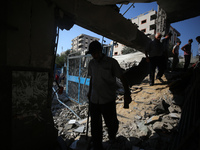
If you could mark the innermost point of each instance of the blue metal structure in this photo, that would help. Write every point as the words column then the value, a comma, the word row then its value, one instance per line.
column 77, row 82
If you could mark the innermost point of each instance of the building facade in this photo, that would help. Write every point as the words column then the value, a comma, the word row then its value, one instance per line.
column 82, row 42
column 149, row 23
column 146, row 22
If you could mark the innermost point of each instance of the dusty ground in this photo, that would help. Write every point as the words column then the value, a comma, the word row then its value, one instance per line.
column 141, row 95
column 133, row 131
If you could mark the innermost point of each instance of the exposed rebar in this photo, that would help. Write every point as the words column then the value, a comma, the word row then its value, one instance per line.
column 65, row 104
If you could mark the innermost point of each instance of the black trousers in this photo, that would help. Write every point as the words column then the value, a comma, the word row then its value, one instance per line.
column 175, row 61
column 108, row 111
column 187, row 61
column 157, row 61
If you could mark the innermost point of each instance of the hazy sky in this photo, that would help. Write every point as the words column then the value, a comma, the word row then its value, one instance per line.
column 189, row 28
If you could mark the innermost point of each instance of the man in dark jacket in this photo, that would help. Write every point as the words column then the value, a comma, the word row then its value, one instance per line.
column 154, row 55
column 187, row 53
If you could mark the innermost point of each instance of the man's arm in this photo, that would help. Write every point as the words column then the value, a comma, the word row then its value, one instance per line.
column 173, row 50
column 183, row 48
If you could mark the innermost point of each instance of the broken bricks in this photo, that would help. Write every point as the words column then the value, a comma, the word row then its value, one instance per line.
column 151, row 119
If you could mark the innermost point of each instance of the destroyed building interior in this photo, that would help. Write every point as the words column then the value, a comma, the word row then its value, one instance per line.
column 33, row 119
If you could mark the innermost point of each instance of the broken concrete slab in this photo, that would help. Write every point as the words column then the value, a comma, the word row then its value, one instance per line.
column 162, row 107
column 73, row 121
column 83, row 121
column 175, row 115
column 152, row 119
column 158, row 125
column 68, row 126
column 138, row 117
column 143, row 129
column 168, row 126
column 80, row 129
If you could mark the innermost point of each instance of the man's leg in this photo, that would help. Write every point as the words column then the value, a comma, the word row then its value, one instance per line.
column 161, row 63
column 152, row 70
column 110, row 117
column 174, row 63
column 96, row 126
column 187, row 61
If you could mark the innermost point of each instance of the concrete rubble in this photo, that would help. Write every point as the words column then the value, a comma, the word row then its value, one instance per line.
column 149, row 123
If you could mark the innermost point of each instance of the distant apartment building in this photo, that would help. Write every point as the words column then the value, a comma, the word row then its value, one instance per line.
column 82, row 42
column 147, row 23
column 175, row 35
column 117, row 48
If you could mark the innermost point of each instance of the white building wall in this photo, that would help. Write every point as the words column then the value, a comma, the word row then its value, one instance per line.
column 144, row 21
column 117, row 49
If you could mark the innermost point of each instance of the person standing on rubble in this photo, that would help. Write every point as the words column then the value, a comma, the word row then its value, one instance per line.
column 187, row 53
column 198, row 40
column 154, row 55
column 175, row 53
column 103, row 71
column 165, row 42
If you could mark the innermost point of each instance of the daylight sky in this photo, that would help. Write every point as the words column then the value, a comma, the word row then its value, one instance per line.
column 189, row 28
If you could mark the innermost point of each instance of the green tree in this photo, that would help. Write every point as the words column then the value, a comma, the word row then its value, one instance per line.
column 60, row 59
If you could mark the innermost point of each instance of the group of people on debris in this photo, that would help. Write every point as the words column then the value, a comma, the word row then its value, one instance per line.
column 157, row 55
column 103, row 71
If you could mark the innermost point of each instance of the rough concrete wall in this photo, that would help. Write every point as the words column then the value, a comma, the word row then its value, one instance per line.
column 31, row 41
column 26, row 73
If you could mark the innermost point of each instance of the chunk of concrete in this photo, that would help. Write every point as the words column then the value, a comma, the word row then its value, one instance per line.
column 83, row 121
column 79, row 129
column 72, row 121
column 137, row 117
column 175, row 115
column 158, row 125
column 68, row 126
column 152, row 119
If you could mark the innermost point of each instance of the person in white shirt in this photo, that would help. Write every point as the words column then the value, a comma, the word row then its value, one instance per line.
column 198, row 40
column 175, row 52
column 103, row 71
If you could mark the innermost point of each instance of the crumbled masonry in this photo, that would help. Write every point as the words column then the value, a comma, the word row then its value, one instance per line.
column 149, row 123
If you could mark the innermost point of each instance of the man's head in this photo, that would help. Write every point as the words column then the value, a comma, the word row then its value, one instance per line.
column 158, row 36
column 190, row 41
column 95, row 49
column 198, row 39
column 178, row 43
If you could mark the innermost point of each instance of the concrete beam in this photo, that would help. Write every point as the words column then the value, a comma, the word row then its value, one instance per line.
column 104, row 20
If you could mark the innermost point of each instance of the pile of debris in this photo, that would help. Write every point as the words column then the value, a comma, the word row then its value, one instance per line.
column 149, row 123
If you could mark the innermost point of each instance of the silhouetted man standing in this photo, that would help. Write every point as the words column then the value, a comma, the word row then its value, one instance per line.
column 187, row 53
column 103, row 71
column 154, row 55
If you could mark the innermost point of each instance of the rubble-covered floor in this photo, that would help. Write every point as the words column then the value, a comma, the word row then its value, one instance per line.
column 150, row 122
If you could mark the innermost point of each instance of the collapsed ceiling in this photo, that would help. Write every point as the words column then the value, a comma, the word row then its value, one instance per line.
column 103, row 17
column 176, row 10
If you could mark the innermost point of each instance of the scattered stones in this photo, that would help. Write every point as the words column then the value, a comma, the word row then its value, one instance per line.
column 151, row 122
column 158, row 126
column 152, row 119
